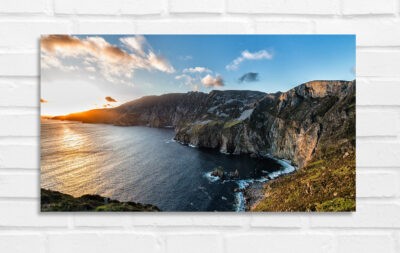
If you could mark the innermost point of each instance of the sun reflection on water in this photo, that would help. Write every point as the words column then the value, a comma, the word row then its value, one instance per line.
column 73, row 161
column 71, row 139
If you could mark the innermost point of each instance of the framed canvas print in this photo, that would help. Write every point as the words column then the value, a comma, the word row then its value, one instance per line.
column 198, row 123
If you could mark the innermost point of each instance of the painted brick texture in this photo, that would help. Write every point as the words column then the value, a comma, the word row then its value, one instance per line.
column 375, row 227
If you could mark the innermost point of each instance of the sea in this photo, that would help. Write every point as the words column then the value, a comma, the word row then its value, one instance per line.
column 146, row 165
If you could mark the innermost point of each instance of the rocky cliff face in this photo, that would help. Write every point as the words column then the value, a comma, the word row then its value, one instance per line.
column 299, row 124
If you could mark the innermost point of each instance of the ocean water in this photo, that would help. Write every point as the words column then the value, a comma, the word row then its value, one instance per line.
column 145, row 165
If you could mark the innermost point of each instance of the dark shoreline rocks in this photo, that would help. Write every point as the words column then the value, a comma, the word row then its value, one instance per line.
column 54, row 201
column 253, row 194
column 221, row 174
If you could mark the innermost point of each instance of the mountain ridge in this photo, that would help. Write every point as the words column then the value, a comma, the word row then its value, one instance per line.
column 297, row 125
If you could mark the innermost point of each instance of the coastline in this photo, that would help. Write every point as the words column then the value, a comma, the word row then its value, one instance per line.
column 249, row 191
column 254, row 192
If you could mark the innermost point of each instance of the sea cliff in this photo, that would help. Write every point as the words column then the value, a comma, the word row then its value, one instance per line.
column 312, row 125
column 294, row 125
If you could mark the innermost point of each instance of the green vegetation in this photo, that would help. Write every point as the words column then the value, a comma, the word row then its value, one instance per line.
column 54, row 201
column 337, row 204
column 326, row 184
column 203, row 127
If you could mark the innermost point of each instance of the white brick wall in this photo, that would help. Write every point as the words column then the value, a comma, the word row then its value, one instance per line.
column 375, row 227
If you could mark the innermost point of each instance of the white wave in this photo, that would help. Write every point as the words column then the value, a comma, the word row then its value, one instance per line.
column 192, row 146
column 170, row 141
column 287, row 168
column 210, row 177
column 240, row 205
column 262, row 180
column 244, row 183
column 240, row 201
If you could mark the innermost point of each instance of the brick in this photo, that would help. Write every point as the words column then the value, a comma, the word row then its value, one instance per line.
column 26, row 214
column 192, row 27
column 21, row 243
column 87, row 7
column 15, row 92
column 377, row 92
column 364, row 7
column 105, row 27
column 378, row 154
column 377, row 184
column 277, row 242
column 318, row 7
column 102, row 242
column 26, row 34
column 276, row 220
column 19, row 64
column 142, row 7
column 104, row 7
column 183, row 220
column 11, row 156
column 173, row 219
column 378, row 63
column 22, row 6
column 225, row 220
column 19, row 185
column 368, row 215
column 376, row 123
column 370, row 32
column 365, row 243
column 193, row 243
column 283, row 27
column 101, row 220
column 203, row 6
column 15, row 125
column 373, row 228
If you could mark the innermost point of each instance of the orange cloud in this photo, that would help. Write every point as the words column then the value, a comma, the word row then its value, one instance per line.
column 210, row 81
column 110, row 99
column 52, row 42
column 114, row 63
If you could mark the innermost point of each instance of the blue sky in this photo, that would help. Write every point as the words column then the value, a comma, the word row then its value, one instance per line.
column 128, row 67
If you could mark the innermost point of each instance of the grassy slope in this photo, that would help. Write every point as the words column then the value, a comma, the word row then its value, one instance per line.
column 52, row 201
column 328, row 182
column 327, row 185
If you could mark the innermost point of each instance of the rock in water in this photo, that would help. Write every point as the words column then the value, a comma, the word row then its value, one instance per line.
column 218, row 172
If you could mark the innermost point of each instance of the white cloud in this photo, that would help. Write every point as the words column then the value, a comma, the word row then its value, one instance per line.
column 246, row 55
column 113, row 63
column 180, row 77
column 197, row 70
column 137, row 43
column 187, row 80
column 196, row 77
column 160, row 63
column 90, row 69
column 210, row 81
